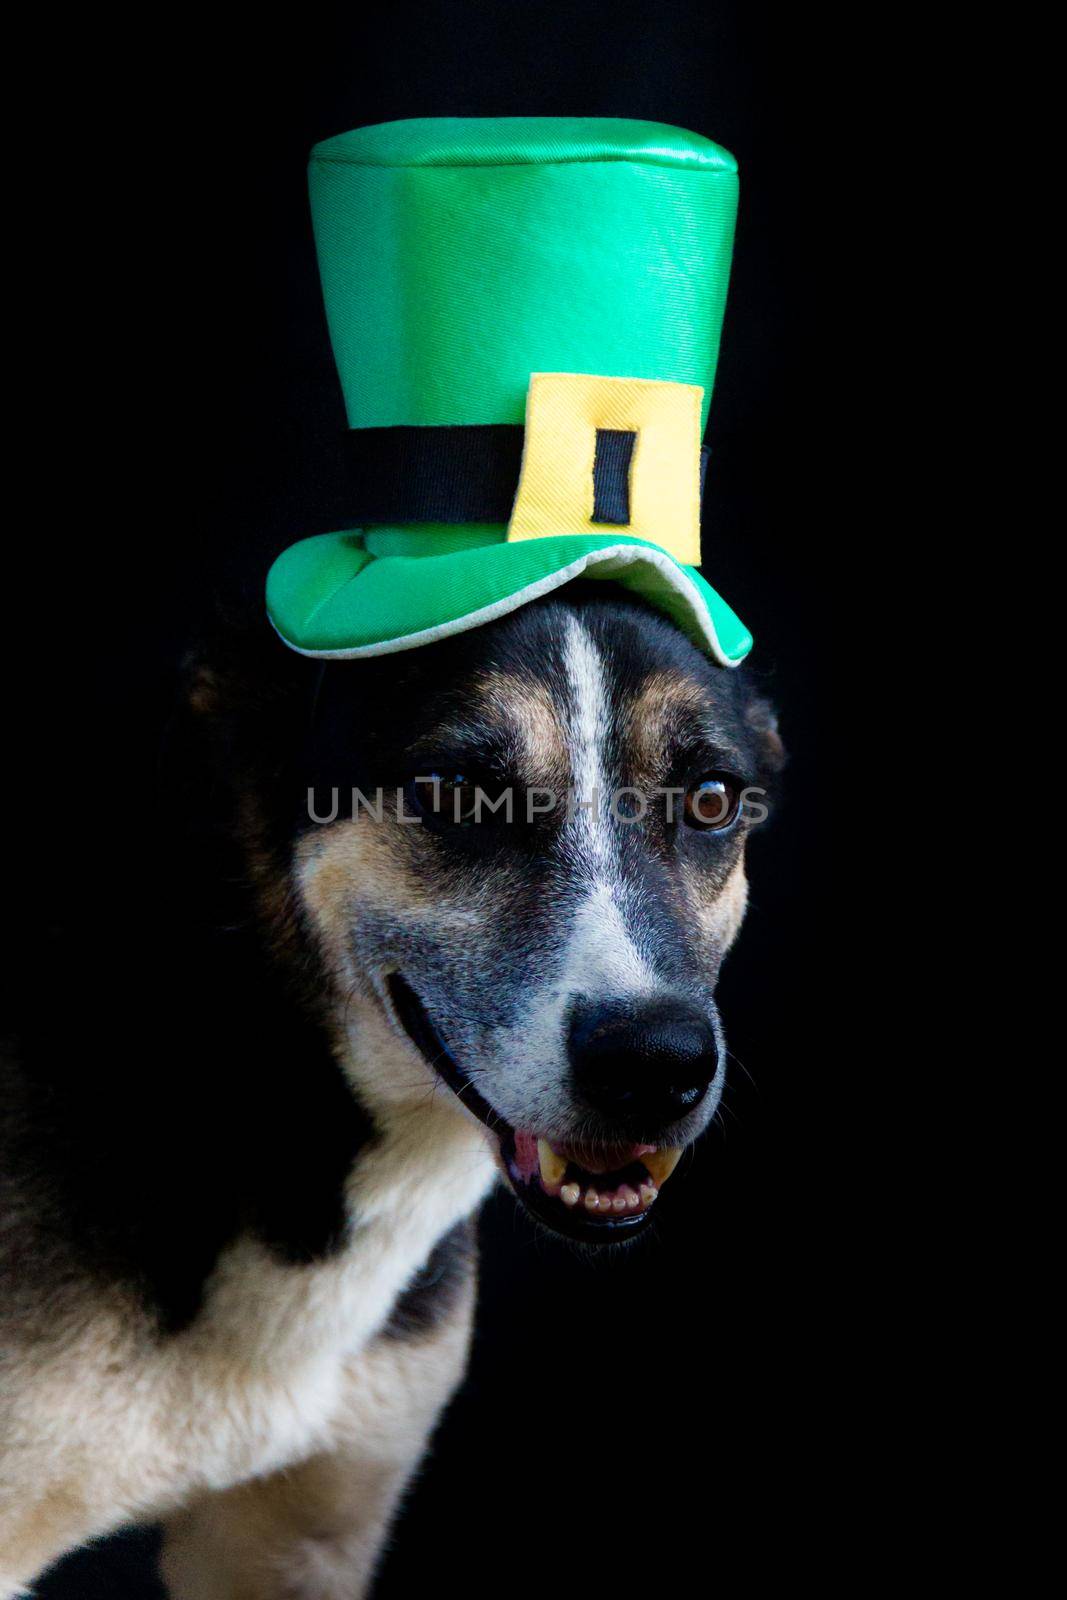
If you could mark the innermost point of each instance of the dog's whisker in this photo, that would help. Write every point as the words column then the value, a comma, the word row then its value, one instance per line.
column 731, row 1056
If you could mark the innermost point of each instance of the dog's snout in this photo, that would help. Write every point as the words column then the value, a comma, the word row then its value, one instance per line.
column 642, row 1069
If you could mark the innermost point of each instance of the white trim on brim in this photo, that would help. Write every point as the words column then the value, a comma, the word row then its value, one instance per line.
column 623, row 555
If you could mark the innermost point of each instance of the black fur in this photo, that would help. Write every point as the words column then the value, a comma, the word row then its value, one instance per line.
column 170, row 1082
column 432, row 1295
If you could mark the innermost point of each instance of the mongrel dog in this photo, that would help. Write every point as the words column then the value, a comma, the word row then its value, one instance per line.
column 452, row 994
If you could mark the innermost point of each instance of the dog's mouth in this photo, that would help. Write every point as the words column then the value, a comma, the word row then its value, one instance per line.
column 598, row 1193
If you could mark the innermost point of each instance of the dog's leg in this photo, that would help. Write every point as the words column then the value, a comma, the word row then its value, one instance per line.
column 36, row 1529
column 316, row 1530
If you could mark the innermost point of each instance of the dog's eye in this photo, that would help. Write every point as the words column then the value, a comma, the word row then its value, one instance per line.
column 713, row 803
column 447, row 797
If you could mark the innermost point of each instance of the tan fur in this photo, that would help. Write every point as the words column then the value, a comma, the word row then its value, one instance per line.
column 361, row 858
column 107, row 1424
column 717, row 918
column 316, row 1529
column 525, row 707
column 36, row 1531
column 277, row 1432
column 665, row 698
column 363, row 865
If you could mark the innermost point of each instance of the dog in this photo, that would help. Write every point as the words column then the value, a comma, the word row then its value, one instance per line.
column 451, row 916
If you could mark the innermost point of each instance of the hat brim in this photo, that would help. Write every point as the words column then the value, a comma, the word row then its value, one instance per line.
column 329, row 597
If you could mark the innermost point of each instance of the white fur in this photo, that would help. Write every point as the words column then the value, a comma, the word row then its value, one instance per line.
column 315, row 1530
column 602, row 956
column 526, row 1079
column 111, row 1424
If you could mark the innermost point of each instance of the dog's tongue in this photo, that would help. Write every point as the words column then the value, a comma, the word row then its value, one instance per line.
column 594, row 1158
column 616, row 1180
column 526, row 1161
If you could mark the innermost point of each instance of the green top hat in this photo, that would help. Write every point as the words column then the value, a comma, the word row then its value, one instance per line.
column 525, row 315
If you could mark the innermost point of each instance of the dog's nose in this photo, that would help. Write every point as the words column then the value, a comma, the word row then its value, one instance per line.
column 643, row 1069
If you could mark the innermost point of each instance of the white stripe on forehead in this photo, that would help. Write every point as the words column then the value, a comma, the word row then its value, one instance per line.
column 587, row 731
column 602, row 957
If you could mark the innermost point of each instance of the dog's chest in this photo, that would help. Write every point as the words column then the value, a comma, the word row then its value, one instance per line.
column 256, row 1383
column 275, row 1339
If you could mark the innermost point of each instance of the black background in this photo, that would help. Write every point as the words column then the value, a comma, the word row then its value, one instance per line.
column 710, row 1396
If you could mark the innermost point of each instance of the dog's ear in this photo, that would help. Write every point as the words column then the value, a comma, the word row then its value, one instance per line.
column 240, row 718
column 762, row 718
column 201, row 687
column 246, row 695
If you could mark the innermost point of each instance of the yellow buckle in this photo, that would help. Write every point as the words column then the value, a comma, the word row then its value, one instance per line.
column 555, row 494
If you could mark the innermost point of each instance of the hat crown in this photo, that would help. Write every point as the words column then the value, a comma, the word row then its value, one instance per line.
column 460, row 255
column 521, row 141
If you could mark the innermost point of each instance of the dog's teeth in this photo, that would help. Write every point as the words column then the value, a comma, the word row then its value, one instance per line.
column 620, row 1202
column 570, row 1194
column 592, row 1200
column 660, row 1164
column 630, row 1198
column 552, row 1166
column 648, row 1194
